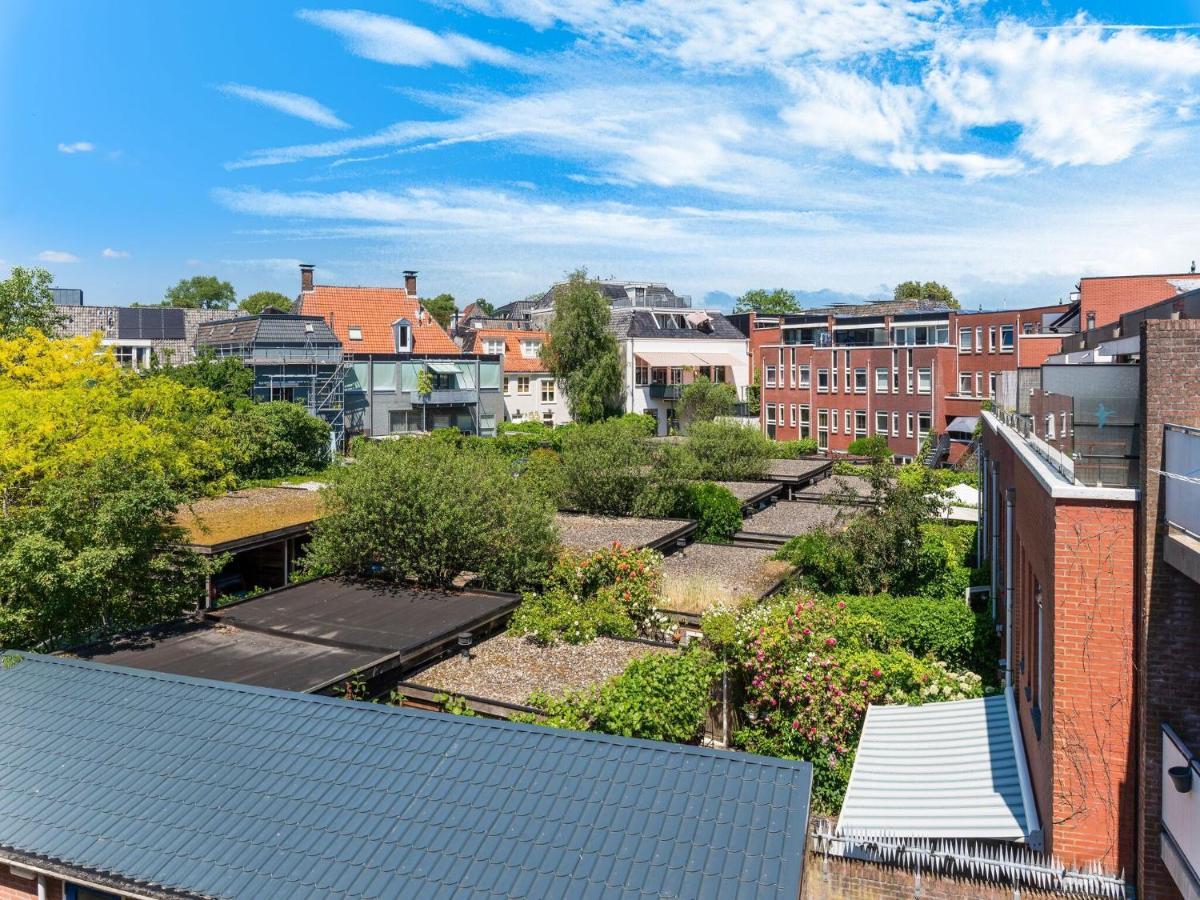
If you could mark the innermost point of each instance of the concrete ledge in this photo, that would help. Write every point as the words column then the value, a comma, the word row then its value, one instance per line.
column 1183, row 552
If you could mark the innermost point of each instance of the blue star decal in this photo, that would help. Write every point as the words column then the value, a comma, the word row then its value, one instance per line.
column 1102, row 414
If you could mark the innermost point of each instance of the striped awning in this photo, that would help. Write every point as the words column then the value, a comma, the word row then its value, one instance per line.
column 942, row 770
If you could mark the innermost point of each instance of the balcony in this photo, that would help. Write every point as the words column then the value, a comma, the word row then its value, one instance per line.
column 665, row 391
column 1181, row 498
column 444, row 397
column 1180, row 834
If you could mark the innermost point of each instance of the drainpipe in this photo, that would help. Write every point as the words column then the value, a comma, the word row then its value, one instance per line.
column 1009, row 501
column 994, row 526
column 41, row 887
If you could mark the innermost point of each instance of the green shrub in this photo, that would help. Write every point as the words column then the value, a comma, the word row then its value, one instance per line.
column 543, row 473
column 660, row 697
column 793, row 449
column 611, row 592
column 604, row 467
column 728, row 452
column 717, row 512
column 942, row 628
column 704, row 400
column 427, row 510
column 272, row 440
column 876, row 445
column 519, row 439
column 850, row 470
column 940, row 569
column 666, row 483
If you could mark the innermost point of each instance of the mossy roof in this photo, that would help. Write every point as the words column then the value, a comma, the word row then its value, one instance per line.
column 242, row 515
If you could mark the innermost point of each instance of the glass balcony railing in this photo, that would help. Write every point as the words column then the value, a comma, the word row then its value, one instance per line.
column 1181, row 484
column 666, row 391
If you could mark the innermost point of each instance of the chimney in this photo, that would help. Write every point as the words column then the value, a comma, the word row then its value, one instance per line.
column 306, row 277
column 410, row 282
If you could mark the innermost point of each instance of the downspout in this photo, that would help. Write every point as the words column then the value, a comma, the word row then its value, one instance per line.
column 1009, row 502
column 994, row 525
column 41, row 887
column 478, row 401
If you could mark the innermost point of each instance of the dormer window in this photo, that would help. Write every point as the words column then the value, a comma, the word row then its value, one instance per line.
column 402, row 333
column 493, row 346
column 530, row 349
column 355, row 332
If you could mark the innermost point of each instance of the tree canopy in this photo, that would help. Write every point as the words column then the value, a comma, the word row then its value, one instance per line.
column 442, row 308
column 582, row 353
column 26, row 302
column 704, row 400
column 200, row 292
column 776, row 302
column 227, row 377
column 930, row 290
column 485, row 307
column 260, row 300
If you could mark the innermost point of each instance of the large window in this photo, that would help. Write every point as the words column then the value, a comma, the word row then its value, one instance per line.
column 770, row 413
column 860, row 381
column 769, row 376
column 1006, row 338
column 924, row 424
column 924, row 381
column 547, row 390
column 964, row 383
column 881, row 422
column 523, row 384
column 822, row 429
column 991, row 339
column 860, row 422
column 805, row 421
column 881, row 381
column 641, row 374
column 805, row 377
column 964, row 340
column 493, row 346
column 822, row 381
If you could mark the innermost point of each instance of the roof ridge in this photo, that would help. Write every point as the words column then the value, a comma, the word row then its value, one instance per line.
column 386, row 709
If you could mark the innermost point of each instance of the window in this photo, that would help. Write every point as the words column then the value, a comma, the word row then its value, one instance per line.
column 978, row 384
column 522, row 384
column 924, row 425
column 964, row 340
column 506, row 384
column 895, row 424
column 548, row 418
column 769, row 376
column 493, row 346
column 834, row 383
column 805, row 421
column 355, row 332
column 964, row 383
column 1027, row 328
column 836, row 420
column 992, row 385
column 860, row 381
column 793, row 415
column 547, row 390
column 805, row 376
column 770, row 413
column 795, row 373
column 1006, row 338
column 860, row 422
column 402, row 336
column 881, row 381
column 641, row 374
column 924, row 381
column 991, row 339
column 531, row 349
column 881, row 422
column 822, row 381
column 822, row 429
column 978, row 338
column 908, row 425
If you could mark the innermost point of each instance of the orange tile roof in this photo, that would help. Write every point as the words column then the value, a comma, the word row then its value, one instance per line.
column 513, row 360
column 374, row 310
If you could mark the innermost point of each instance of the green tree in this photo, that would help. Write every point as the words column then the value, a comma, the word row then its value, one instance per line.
column 930, row 290
column 260, row 300
column 26, row 302
column 704, row 400
column 776, row 302
column 442, row 308
column 728, row 452
column 425, row 509
column 272, row 440
column 604, row 467
column 93, row 552
column 582, row 353
column 485, row 307
column 200, row 292
column 225, row 376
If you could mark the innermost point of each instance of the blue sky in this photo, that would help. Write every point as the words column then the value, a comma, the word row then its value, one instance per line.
column 1005, row 149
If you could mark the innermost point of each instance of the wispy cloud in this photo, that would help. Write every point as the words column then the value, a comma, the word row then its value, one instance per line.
column 77, row 147
column 110, row 253
column 286, row 102
column 387, row 39
column 57, row 256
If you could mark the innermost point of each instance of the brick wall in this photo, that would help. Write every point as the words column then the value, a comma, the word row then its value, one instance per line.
column 1170, row 615
column 833, row 878
column 87, row 320
column 14, row 888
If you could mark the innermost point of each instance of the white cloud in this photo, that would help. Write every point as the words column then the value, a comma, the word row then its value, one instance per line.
column 77, row 147
column 1083, row 95
column 286, row 102
column 110, row 253
column 57, row 256
column 390, row 40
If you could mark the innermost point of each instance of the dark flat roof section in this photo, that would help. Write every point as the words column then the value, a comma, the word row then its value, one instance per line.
column 309, row 636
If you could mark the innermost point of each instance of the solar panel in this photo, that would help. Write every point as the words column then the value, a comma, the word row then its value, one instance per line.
column 150, row 324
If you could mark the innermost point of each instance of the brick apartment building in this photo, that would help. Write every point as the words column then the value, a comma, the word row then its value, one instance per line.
column 900, row 369
column 1091, row 519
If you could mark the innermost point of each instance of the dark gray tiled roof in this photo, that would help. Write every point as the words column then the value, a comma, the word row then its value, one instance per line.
column 639, row 323
column 268, row 330
column 203, row 788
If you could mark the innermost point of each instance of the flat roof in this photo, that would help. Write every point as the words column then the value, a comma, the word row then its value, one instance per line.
column 826, row 486
column 585, row 533
column 242, row 519
column 789, row 518
column 309, row 635
column 751, row 492
column 166, row 786
column 701, row 576
column 796, row 471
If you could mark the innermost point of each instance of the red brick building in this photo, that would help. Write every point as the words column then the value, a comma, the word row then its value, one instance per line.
column 1091, row 520
column 898, row 369
column 1104, row 299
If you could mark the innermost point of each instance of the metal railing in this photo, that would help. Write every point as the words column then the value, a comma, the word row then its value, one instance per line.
column 666, row 391
column 1181, row 473
column 444, row 397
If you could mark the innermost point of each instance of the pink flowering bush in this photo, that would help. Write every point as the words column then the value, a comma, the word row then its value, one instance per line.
column 610, row 592
column 809, row 669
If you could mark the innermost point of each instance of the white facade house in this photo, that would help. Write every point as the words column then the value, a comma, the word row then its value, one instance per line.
column 530, row 392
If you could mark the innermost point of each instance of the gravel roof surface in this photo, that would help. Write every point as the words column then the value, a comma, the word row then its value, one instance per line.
column 792, row 469
column 790, row 517
column 243, row 514
column 745, row 490
column 585, row 533
column 510, row 668
column 826, row 486
column 702, row 575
